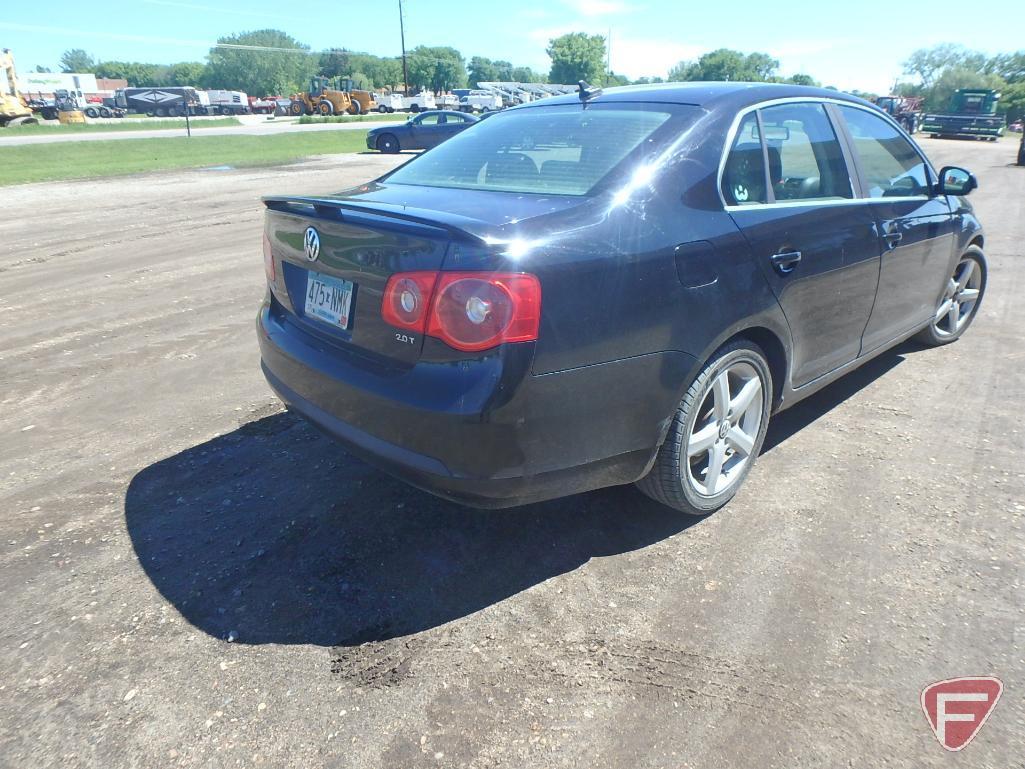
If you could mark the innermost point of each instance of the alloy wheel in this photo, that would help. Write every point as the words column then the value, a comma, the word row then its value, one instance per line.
column 959, row 299
column 722, row 439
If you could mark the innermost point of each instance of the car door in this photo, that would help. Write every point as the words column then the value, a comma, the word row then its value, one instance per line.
column 915, row 226
column 451, row 124
column 787, row 186
column 426, row 131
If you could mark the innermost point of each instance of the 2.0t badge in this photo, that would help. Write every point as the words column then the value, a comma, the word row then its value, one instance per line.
column 311, row 244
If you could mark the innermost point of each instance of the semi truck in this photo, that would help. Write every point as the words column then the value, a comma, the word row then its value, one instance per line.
column 227, row 102
column 972, row 114
column 172, row 101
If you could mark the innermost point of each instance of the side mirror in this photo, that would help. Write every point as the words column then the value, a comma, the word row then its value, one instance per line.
column 956, row 181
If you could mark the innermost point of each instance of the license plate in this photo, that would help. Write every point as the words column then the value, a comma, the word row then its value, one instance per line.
column 328, row 299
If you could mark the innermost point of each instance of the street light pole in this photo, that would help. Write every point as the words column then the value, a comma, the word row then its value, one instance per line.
column 402, row 34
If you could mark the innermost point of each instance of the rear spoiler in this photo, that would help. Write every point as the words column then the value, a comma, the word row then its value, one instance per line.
column 333, row 209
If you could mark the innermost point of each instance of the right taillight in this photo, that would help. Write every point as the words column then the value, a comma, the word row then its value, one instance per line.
column 469, row 311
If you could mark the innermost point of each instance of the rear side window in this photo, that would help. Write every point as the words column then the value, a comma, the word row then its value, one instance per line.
column 805, row 159
column 743, row 179
column 889, row 163
column 564, row 150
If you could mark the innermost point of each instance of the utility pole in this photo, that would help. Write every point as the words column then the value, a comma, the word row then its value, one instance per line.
column 402, row 34
column 608, row 56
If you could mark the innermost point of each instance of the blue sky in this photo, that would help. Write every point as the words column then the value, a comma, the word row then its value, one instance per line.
column 852, row 45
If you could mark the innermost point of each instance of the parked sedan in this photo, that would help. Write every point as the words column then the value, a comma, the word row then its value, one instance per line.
column 420, row 132
column 613, row 288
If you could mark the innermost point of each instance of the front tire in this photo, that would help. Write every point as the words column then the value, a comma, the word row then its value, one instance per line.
column 960, row 302
column 716, row 433
column 388, row 144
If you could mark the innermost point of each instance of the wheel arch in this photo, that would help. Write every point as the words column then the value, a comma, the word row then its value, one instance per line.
column 775, row 353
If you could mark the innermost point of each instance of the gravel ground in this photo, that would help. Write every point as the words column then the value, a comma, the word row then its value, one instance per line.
column 191, row 577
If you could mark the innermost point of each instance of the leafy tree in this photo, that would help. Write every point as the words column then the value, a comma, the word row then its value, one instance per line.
column 802, row 79
column 612, row 79
column 929, row 63
column 526, row 75
column 335, row 62
column 135, row 72
column 952, row 78
column 77, row 60
column 266, row 71
column 186, row 73
column 726, row 64
column 482, row 70
column 1013, row 101
column 577, row 56
column 1009, row 66
column 439, row 68
column 648, row 80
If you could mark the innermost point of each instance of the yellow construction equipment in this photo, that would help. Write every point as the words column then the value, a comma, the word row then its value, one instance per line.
column 364, row 98
column 323, row 99
column 69, row 111
column 14, row 110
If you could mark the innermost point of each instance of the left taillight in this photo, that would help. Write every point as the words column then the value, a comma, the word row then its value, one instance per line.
column 268, row 260
column 470, row 311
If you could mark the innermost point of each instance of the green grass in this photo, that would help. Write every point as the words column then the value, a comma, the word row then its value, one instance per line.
column 81, row 160
column 156, row 125
column 308, row 119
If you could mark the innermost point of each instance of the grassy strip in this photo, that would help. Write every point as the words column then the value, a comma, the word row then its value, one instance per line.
column 93, row 159
column 156, row 125
column 375, row 117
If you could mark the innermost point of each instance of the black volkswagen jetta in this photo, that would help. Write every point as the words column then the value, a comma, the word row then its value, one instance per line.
column 613, row 288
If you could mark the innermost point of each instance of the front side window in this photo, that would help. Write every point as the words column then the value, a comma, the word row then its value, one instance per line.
column 889, row 163
column 560, row 150
column 427, row 120
column 805, row 159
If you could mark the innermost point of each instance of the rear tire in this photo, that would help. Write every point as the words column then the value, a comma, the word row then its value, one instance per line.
column 388, row 144
column 957, row 309
column 92, row 112
column 105, row 112
column 716, row 433
column 354, row 108
column 382, row 109
column 296, row 108
column 326, row 108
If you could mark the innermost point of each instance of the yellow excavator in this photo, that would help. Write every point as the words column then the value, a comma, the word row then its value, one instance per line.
column 14, row 110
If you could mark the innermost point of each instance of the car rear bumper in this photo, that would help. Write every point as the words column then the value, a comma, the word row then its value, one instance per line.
column 484, row 432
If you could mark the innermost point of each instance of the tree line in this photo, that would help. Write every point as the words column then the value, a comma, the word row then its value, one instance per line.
column 270, row 61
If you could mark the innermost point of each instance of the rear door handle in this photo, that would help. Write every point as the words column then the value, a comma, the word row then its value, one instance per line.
column 786, row 261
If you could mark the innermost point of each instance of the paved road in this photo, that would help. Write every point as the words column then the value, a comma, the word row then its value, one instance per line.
column 251, row 126
column 157, row 503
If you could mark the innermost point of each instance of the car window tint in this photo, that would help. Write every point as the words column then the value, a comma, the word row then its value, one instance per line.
column 889, row 163
column 805, row 159
column 563, row 150
column 429, row 120
column 743, row 179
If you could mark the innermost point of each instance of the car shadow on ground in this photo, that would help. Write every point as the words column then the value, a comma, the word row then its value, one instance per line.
column 274, row 532
column 787, row 423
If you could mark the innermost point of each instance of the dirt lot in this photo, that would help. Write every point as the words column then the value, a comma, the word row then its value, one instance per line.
column 190, row 577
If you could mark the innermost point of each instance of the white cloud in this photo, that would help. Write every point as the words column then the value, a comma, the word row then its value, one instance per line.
column 592, row 8
column 644, row 57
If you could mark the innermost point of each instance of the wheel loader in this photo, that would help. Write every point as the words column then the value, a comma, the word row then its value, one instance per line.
column 14, row 110
column 324, row 99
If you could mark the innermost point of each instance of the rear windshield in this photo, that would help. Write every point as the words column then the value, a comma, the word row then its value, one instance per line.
column 563, row 150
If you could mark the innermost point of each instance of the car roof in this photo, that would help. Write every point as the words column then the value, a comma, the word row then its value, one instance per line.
column 703, row 94
column 444, row 112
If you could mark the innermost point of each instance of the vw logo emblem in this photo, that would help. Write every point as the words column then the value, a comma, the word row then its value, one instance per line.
column 311, row 244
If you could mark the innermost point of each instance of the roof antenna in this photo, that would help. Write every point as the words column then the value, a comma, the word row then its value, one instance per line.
column 587, row 92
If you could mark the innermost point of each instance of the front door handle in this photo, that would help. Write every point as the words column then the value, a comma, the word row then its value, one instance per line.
column 893, row 238
column 786, row 261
